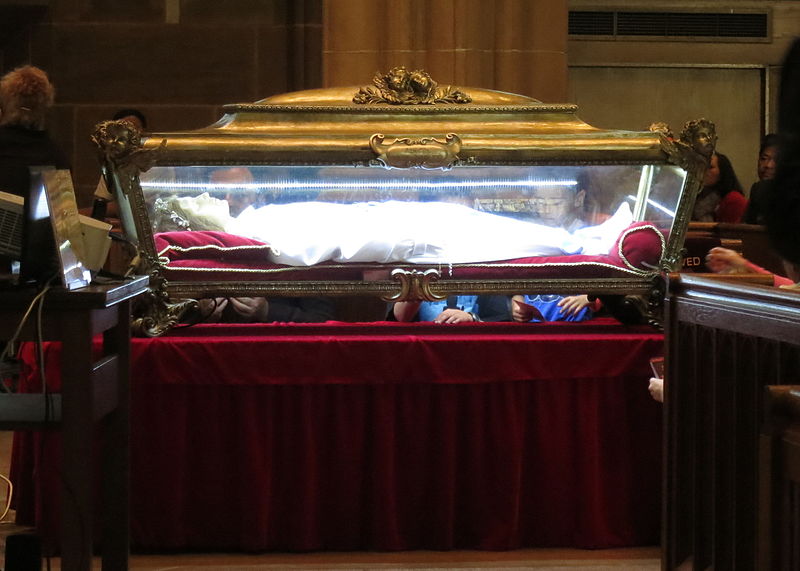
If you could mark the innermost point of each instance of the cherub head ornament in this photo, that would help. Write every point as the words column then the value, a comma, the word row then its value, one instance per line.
column 116, row 139
column 701, row 135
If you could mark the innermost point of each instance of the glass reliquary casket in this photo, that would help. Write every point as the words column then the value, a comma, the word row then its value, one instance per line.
column 404, row 190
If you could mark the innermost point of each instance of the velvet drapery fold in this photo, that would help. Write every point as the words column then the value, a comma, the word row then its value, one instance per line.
column 381, row 437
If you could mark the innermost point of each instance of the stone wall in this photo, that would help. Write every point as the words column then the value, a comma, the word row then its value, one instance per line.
column 178, row 61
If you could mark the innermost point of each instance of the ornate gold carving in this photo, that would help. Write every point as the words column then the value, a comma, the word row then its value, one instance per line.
column 698, row 135
column 156, row 314
column 663, row 128
column 643, row 308
column 415, row 285
column 121, row 154
column 701, row 135
column 403, row 87
column 425, row 152
column 691, row 151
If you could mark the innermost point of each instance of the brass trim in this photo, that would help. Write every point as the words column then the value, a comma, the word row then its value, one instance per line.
column 493, row 109
column 423, row 152
column 325, row 132
column 415, row 285
column 400, row 86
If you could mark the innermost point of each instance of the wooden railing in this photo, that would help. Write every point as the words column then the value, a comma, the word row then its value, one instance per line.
column 725, row 342
column 779, row 476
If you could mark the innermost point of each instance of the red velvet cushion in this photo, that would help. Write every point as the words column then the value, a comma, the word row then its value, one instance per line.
column 640, row 246
column 207, row 255
column 209, row 245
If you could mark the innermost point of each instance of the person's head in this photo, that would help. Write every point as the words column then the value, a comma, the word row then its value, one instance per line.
column 767, row 155
column 558, row 205
column 132, row 116
column 236, row 182
column 720, row 176
column 25, row 96
column 712, row 172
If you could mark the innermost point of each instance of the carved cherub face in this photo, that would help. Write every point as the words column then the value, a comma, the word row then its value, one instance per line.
column 117, row 138
column 420, row 81
column 397, row 78
column 705, row 139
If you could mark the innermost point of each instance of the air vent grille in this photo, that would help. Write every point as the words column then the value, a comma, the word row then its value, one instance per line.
column 591, row 23
column 668, row 24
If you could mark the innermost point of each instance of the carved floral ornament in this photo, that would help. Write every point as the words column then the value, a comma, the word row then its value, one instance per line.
column 403, row 87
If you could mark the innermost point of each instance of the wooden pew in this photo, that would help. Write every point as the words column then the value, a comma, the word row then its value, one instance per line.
column 725, row 342
column 779, row 478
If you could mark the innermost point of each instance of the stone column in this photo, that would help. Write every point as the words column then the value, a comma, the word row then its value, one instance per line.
column 510, row 45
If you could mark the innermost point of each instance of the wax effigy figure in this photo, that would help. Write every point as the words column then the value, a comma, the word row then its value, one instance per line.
column 307, row 233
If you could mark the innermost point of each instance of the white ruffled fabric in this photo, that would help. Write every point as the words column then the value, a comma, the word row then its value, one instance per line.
column 307, row 233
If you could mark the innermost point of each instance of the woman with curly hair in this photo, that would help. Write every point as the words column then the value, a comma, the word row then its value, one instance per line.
column 26, row 96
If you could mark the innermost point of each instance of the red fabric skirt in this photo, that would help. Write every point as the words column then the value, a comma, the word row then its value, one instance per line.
column 381, row 437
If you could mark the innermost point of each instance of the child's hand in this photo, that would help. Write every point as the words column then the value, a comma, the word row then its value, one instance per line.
column 725, row 261
column 452, row 315
column 253, row 309
column 656, row 388
column 211, row 309
column 523, row 312
column 573, row 304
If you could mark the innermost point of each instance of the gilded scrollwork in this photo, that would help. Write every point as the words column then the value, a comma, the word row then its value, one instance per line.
column 698, row 137
column 415, row 285
column 663, row 128
column 691, row 151
column 645, row 308
column 424, row 152
column 408, row 87
column 155, row 313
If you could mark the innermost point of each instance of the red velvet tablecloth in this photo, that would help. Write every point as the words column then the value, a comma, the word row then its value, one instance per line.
column 383, row 437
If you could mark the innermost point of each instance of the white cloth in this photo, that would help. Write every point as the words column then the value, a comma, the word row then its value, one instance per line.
column 306, row 233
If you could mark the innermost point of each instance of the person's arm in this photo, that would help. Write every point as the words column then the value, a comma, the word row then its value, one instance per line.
column 405, row 310
column 725, row 261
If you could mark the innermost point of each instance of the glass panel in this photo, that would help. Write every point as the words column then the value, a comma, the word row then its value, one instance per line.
column 311, row 214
